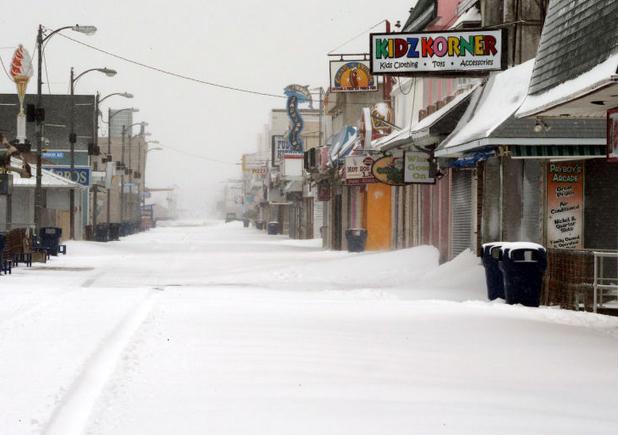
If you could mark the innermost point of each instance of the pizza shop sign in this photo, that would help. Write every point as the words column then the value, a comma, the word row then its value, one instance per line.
column 447, row 52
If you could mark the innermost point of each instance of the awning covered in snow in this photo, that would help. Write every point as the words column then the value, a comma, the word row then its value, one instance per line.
column 392, row 140
column 489, row 120
column 436, row 126
column 49, row 180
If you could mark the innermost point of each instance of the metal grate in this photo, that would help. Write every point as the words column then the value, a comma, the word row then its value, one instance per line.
column 461, row 212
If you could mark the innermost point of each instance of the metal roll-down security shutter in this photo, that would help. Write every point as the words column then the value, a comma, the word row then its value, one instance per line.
column 461, row 211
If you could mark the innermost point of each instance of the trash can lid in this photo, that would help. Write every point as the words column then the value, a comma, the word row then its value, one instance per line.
column 515, row 246
column 491, row 244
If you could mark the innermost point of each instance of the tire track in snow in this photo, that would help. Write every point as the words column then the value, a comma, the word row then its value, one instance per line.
column 72, row 414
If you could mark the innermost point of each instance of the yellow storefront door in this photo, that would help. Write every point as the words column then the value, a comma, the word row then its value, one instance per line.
column 377, row 216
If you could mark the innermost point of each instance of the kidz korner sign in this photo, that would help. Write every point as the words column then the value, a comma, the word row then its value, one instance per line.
column 453, row 52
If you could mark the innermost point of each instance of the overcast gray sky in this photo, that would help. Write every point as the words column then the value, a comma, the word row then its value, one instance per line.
column 261, row 45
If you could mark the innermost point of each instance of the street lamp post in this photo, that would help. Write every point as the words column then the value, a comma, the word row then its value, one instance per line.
column 98, row 102
column 142, row 189
column 109, row 154
column 41, row 39
column 73, row 138
column 123, row 202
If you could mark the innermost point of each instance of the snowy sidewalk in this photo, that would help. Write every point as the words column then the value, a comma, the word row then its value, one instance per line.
column 224, row 330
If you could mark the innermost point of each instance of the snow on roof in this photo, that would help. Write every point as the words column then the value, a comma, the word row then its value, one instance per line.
column 48, row 179
column 429, row 120
column 395, row 136
column 497, row 100
column 471, row 15
column 585, row 83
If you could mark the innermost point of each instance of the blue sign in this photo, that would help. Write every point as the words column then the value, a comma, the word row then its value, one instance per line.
column 77, row 175
column 53, row 155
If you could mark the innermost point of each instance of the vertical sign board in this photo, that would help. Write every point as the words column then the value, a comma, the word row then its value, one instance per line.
column 445, row 52
column 565, row 203
column 417, row 168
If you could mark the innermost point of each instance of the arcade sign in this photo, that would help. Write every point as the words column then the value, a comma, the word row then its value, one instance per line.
column 438, row 53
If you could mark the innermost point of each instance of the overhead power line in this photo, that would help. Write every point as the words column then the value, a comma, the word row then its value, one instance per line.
column 198, row 156
column 171, row 73
column 357, row 36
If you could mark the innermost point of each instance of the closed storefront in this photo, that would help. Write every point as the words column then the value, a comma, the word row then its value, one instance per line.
column 462, row 211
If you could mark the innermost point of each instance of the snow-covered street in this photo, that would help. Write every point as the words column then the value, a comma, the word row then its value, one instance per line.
column 219, row 329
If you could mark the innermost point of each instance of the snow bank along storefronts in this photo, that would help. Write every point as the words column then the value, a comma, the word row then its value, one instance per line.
column 581, row 189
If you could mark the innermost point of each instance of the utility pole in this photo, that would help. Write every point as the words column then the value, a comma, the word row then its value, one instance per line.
column 38, row 190
column 122, row 176
column 94, row 186
column 107, row 161
column 72, row 139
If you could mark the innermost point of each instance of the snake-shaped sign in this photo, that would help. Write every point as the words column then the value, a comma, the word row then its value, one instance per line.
column 296, row 94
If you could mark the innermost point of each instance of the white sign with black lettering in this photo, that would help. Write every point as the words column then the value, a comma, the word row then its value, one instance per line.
column 417, row 168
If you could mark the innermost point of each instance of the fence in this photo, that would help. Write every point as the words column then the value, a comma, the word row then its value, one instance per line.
column 577, row 278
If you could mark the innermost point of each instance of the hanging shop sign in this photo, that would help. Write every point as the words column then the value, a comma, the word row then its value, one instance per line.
column 445, row 52
column 358, row 170
column 351, row 76
column 324, row 190
column 418, row 168
column 565, row 204
column 259, row 171
column 279, row 147
column 296, row 94
column 611, row 135
column 389, row 170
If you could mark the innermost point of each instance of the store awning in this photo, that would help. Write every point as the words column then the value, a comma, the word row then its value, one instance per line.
column 558, row 151
column 294, row 186
column 392, row 140
column 470, row 160
column 436, row 126
column 489, row 120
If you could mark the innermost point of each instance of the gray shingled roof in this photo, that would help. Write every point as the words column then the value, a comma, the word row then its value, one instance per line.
column 559, row 128
column 577, row 36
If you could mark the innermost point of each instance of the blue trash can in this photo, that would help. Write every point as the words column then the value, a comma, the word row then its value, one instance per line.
column 523, row 266
column 273, row 228
column 114, row 231
column 101, row 233
column 491, row 256
column 356, row 238
column 50, row 239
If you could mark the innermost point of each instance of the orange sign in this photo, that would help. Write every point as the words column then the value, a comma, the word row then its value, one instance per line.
column 565, row 204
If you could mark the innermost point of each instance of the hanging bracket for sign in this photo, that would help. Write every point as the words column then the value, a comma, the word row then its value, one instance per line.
column 454, row 52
